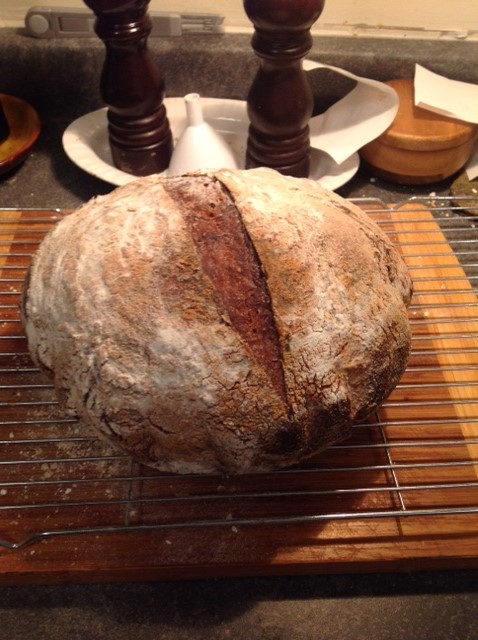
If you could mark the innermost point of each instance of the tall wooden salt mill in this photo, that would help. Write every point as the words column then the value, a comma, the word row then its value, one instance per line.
column 132, row 87
column 280, row 100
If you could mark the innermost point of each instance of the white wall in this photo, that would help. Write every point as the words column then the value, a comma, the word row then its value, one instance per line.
column 418, row 17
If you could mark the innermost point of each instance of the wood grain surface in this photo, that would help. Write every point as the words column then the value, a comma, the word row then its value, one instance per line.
column 400, row 494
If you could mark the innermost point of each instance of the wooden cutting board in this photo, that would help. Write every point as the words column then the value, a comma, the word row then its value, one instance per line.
column 400, row 494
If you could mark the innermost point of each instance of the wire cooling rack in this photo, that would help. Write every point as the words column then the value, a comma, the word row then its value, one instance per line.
column 403, row 486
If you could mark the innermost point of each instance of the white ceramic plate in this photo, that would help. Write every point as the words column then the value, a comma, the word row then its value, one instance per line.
column 86, row 142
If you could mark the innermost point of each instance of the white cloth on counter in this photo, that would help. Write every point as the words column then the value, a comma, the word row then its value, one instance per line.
column 451, row 98
column 358, row 118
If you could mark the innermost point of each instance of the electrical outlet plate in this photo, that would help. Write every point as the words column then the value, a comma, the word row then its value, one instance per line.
column 65, row 22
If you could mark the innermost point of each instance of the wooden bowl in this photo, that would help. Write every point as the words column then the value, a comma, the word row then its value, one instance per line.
column 24, row 125
column 420, row 146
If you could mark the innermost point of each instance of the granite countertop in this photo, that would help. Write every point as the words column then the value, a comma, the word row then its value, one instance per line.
column 440, row 606
column 65, row 86
column 60, row 79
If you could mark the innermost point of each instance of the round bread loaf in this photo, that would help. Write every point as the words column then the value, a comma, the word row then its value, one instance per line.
column 231, row 321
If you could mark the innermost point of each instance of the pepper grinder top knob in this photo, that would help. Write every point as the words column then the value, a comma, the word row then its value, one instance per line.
column 290, row 15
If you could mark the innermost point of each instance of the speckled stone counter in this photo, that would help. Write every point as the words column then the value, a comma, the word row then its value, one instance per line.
column 60, row 79
column 432, row 606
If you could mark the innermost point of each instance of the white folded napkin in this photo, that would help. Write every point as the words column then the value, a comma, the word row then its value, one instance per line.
column 450, row 98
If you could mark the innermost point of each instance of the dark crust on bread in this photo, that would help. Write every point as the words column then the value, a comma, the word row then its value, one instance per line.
column 230, row 260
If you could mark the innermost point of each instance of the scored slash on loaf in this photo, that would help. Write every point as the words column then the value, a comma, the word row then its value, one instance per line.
column 228, row 321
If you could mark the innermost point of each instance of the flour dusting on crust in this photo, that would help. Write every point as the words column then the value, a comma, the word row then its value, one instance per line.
column 140, row 337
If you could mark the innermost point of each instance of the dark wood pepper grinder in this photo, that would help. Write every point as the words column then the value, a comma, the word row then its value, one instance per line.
column 280, row 100
column 132, row 88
